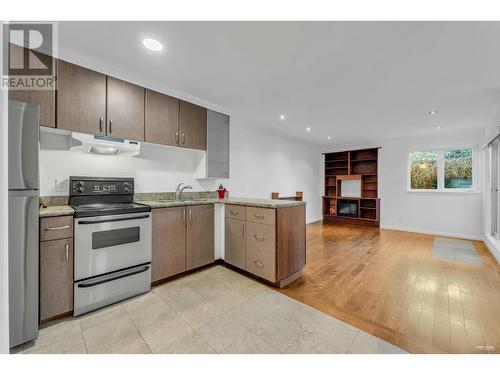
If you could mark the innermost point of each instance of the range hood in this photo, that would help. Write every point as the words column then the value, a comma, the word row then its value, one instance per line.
column 103, row 145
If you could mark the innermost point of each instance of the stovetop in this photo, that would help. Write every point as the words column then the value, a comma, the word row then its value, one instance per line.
column 103, row 209
column 100, row 196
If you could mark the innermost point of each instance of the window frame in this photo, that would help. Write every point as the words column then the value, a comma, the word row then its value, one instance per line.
column 441, row 171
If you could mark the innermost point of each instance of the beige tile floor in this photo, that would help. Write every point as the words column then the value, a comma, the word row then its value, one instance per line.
column 212, row 311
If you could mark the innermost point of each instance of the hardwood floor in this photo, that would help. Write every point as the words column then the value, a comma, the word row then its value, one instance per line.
column 387, row 283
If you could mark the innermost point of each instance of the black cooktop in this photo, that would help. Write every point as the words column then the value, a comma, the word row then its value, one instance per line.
column 103, row 209
column 101, row 196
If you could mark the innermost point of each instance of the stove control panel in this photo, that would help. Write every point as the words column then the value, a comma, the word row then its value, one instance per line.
column 100, row 186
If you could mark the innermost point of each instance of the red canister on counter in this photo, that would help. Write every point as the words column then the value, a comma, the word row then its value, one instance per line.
column 222, row 191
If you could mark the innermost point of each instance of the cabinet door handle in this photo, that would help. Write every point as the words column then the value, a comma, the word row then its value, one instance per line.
column 67, row 252
column 243, row 230
column 260, row 217
column 184, row 216
column 190, row 215
column 183, row 138
column 176, row 138
column 101, row 120
column 110, row 126
column 57, row 228
column 234, row 212
column 258, row 264
column 258, row 238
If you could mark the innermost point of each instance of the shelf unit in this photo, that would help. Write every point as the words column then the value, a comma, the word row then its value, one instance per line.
column 354, row 165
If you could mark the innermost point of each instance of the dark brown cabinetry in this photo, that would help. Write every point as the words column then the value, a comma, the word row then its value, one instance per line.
column 56, row 267
column 199, row 236
column 125, row 109
column 234, row 248
column 193, row 126
column 268, row 243
column 169, row 242
column 162, row 119
column 91, row 102
column 81, row 99
column 46, row 99
column 183, row 239
column 358, row 167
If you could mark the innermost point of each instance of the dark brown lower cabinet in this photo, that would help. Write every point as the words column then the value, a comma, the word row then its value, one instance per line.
column 200, row 236
column 272, row 244
column 56, row 278
column 169, row 242
column 183, row 239
column 234, row 248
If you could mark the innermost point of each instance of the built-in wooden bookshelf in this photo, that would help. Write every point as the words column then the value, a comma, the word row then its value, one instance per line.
column 356, row 165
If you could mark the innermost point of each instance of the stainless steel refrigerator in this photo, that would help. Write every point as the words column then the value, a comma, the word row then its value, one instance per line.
column 23, row 221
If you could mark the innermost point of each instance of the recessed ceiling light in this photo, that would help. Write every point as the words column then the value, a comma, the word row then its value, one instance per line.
column 329, row 137
column 433, row 112
column 152, row 44
column 282, row 117
column 439, row 127
column 308, row 129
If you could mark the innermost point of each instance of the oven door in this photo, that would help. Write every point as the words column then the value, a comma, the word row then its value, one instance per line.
column 109, row 243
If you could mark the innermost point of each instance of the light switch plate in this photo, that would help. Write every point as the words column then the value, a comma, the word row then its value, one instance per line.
column 62, row 185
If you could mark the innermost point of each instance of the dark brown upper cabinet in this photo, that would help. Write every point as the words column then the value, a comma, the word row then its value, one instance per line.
column 193, row 126
column 81, row 99
column 125, row 106
column 46, row 99
column 162, row 119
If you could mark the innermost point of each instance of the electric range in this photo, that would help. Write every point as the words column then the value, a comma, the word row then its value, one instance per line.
column 112, row 242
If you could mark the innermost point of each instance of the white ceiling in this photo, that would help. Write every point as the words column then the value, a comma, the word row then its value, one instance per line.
column 354, row 81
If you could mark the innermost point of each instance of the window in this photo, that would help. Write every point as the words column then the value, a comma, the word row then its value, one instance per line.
column 423, row 170
column 494, row 165
column 441, row 170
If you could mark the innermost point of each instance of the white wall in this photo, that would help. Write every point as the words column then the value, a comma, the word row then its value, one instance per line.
column 449, row 214
column 453, row 214
column 260, row 163
column 4, row 229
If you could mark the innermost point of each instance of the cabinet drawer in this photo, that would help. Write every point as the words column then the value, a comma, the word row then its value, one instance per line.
column 235, row 212
column 261, row 237
column 53, row 228
column 261, row 215
column 261, row 263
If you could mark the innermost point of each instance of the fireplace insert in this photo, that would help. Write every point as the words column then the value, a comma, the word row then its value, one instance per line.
column 348, row 208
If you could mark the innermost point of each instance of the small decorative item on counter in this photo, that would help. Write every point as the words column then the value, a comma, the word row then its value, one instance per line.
column 222, row 191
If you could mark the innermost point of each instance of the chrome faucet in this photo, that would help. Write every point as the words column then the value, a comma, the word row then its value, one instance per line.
column 179, row 190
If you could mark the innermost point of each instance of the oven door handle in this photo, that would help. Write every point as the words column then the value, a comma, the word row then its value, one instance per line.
column 131, row 272
column 112, row 220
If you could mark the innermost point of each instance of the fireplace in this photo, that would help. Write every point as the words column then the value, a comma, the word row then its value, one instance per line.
column 348, row 208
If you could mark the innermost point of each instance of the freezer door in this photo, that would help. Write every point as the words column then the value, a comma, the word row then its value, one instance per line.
column 23, row 145
column 23, row 266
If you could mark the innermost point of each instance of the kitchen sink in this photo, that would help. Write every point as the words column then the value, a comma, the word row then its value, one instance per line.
column 187, row 200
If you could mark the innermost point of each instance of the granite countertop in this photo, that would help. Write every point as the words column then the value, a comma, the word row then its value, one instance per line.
column 267, row 203
column 63, row 210
column 55, row 211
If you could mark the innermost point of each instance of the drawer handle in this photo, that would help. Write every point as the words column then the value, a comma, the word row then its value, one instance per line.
column 234, row 212
column 57, row 228
column 258, row 238
column 258, row 264
column 67, row 252
column 260, row 217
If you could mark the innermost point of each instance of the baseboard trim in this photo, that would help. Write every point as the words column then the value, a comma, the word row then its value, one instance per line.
column 492, row 247
column 435, row 233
